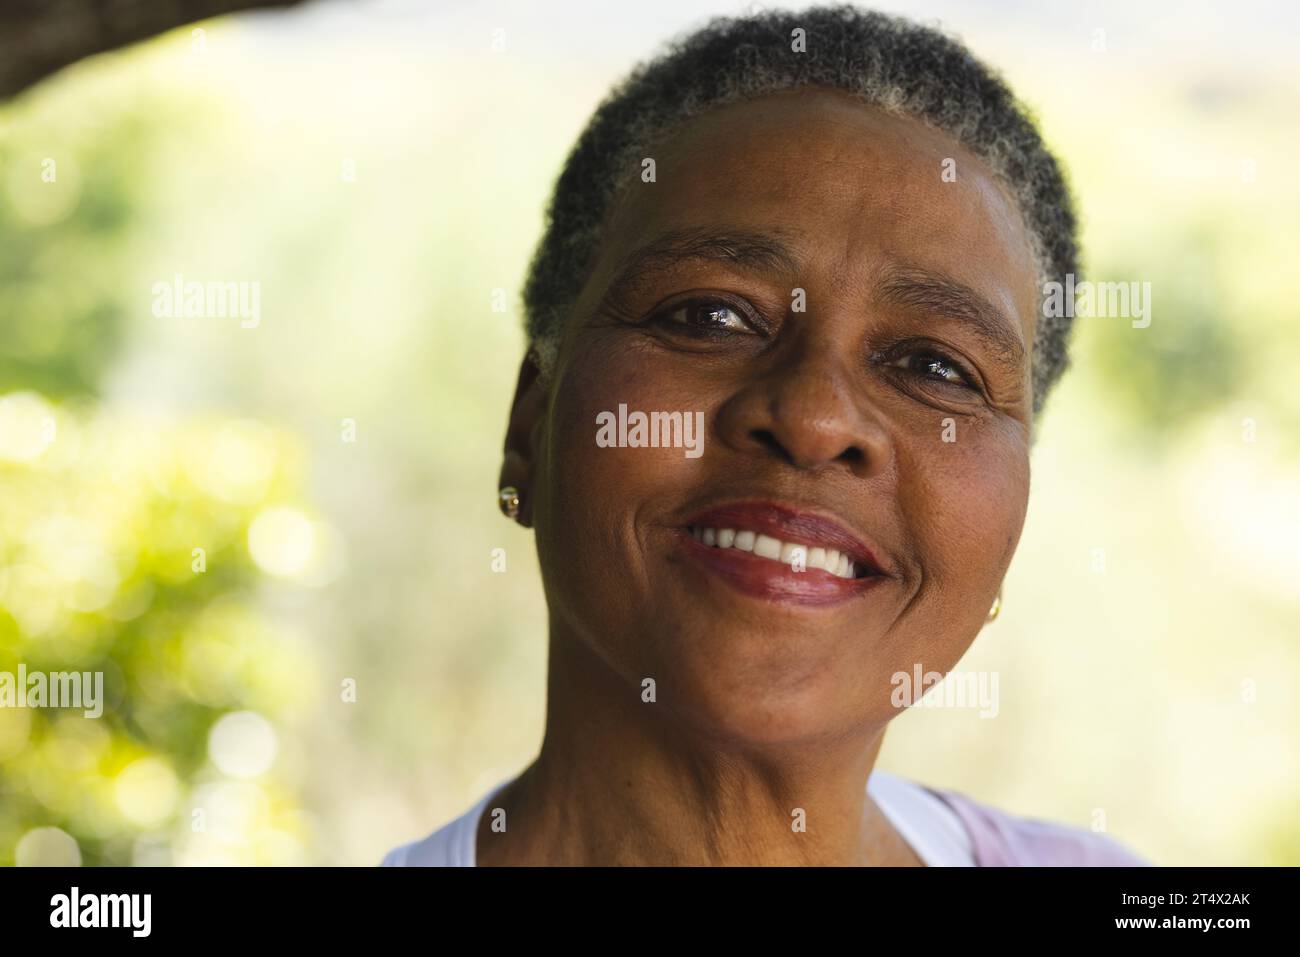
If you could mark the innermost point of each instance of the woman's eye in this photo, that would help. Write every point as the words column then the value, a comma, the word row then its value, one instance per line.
column 934, row 366
column 705, row 316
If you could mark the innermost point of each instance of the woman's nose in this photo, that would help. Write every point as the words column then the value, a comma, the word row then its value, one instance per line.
column 810, row 410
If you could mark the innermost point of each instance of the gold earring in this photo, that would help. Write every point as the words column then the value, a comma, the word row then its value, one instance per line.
column 997, row 607
column 508, row 499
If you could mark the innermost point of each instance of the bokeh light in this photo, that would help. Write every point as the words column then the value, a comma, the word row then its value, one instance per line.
column 243, row 744
column 147, row 792
column 47, row 847
column 282, row 541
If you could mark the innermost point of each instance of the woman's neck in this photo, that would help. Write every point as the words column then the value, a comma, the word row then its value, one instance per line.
column 621, row 780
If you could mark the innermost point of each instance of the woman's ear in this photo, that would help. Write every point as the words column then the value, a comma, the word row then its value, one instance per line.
column 520, row 461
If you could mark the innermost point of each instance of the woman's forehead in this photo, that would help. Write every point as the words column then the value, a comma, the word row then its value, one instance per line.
column 847, row 189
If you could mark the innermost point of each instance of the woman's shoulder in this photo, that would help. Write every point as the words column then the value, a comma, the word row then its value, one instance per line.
column 1003, row 839
column 442, row 848
column 452, row 845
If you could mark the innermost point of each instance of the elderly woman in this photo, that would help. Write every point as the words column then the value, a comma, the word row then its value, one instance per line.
column 773, row 435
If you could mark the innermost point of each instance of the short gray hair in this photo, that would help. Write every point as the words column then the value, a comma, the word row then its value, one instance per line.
column 891, row 63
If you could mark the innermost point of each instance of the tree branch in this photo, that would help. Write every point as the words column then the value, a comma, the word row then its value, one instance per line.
column 38, row 37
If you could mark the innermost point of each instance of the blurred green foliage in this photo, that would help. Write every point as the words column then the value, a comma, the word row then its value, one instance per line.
column 71, row 192
column 1186, row 364
column 123, row 538
column 124, row 552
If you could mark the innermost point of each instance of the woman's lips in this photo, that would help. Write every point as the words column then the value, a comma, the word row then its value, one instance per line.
column 778, row 534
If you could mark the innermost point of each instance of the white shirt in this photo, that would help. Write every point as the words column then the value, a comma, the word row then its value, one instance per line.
column 927, row 824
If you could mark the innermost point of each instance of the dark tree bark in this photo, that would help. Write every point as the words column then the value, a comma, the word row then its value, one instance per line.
column 38, row 37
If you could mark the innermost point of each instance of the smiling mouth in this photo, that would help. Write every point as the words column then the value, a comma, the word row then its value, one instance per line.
column 782, row 553
column 799, row 556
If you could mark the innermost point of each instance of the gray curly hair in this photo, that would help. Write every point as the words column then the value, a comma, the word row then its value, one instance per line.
column 888, row 62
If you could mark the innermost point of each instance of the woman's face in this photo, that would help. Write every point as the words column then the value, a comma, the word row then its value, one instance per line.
column 848, row 299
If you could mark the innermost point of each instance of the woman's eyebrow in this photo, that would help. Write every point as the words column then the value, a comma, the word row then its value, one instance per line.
column 946, row 296
column 767, row 252
column 737, row 247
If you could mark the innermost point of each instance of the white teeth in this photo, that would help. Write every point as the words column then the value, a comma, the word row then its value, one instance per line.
column 796, row 555
column 767, row 547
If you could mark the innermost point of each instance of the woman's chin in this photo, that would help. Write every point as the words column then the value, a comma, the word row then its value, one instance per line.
column 746, row 696
column 775, row 722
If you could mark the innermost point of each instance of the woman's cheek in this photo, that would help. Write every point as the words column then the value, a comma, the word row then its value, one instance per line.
column 967, row 504
column 602, row 492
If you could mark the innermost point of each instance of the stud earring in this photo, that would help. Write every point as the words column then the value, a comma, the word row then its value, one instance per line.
column 508, row 499
column 997, row 607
